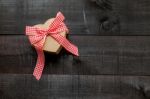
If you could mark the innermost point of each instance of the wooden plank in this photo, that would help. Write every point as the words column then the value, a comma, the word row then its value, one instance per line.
column 133, row 15
column 22, row 86
column 98, row 55
column 90, row 17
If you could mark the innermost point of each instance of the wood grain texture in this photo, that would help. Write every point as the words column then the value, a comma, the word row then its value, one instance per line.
column 99, row 55
column 20, row 86
column 114, row 45
column 83, row 17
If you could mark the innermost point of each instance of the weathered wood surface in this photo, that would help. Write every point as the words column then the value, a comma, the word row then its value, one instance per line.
column 128, row 55
column 90, row 17
column 114, row 45
column 20, row 86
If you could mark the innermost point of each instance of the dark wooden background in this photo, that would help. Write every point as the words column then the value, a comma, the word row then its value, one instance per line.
column 113, row 37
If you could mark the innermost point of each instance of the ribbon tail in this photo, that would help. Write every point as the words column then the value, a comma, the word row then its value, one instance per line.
column 39, row 64
column 66, row 44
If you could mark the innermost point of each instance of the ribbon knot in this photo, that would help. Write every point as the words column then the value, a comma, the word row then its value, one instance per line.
column 37, row 38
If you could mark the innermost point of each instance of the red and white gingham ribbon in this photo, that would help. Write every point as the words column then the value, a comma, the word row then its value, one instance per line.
column 37, row 38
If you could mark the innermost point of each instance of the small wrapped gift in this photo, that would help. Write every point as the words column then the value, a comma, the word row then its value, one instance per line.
column 50, row 37
column 50, row 44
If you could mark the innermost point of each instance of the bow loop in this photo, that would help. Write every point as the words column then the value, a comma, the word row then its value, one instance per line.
column 60, row 28
column 57, row 21
column 30, row 30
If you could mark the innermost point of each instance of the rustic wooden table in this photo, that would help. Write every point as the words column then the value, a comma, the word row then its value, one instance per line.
column 113, row 37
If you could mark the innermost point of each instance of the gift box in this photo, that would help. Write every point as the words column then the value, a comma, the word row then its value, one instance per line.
column 50, row 44
column 50, row 37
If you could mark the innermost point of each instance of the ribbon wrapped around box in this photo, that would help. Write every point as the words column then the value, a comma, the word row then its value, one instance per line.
column 50, row 37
